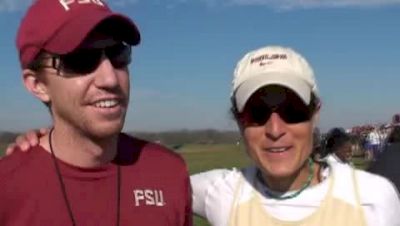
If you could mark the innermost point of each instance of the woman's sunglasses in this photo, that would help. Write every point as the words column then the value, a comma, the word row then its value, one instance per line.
column 291, row 110
column 85, row 61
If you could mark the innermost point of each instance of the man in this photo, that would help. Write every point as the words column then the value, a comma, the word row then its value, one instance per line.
column 74, row 57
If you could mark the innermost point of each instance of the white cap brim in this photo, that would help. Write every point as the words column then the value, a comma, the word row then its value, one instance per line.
column 251, row 85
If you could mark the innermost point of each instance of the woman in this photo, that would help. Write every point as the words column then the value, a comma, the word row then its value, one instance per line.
column 276, row 105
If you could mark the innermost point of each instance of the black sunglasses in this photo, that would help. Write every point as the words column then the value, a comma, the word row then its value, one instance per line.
column 85, row 61
column 292, row 110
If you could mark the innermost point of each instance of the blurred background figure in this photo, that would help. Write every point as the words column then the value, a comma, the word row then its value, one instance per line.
column 387, row 164
column 374, row 143
column 394, row 136
column 337, row 146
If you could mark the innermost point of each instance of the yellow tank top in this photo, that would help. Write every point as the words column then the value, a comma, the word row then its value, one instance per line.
column 332, row 211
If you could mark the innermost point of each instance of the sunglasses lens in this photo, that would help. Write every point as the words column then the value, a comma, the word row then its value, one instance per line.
column 119, row 55
column 294, row 112
column 291, row 111
column 258, row 115
column 85, row 61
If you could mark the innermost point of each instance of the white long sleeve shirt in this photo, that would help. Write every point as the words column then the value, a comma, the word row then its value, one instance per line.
column 213, row 194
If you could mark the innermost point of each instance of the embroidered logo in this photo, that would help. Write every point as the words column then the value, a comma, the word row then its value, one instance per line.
column 66, row 3
column 267, row 59
column 148, row 197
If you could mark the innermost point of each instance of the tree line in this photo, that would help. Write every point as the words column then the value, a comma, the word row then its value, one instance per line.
column 170, row 138
column 208, row 136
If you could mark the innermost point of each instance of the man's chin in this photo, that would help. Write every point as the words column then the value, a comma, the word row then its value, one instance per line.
column 105, row 131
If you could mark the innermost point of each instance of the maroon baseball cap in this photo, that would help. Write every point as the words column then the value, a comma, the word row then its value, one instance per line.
column 60, row 26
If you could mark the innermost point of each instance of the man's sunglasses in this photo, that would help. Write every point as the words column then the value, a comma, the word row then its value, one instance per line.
column 292, row 110
column 85, row 61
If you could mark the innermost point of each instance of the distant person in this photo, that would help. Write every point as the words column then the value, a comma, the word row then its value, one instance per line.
column 276, row 104
column 74, row 57
column 387, row 164
column 338, row 146
column 394, row 136
column 374, row 143
column 396, row 120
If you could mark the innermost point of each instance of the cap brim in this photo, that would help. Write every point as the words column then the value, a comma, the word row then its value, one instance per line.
column 251, row 85
column 72, row 34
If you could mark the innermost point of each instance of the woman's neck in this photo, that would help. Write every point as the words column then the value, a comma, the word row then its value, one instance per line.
column 295, row 181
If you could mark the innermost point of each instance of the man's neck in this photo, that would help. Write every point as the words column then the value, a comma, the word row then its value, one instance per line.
column 78, row 149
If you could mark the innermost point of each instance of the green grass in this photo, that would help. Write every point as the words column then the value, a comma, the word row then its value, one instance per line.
column 2, row 148
column 205, row 157
column 360, row 163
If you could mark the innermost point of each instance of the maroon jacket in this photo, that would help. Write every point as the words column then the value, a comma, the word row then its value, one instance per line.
column 155, row 189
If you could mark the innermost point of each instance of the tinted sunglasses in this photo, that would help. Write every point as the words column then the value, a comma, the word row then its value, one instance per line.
column 85, row 61
column 292, row 110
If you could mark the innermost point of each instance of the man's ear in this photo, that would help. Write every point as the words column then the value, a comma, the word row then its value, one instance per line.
column 35, row 85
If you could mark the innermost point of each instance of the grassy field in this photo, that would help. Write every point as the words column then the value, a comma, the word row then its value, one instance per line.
column 211, row 156
column 2, row 148
column 204, row 157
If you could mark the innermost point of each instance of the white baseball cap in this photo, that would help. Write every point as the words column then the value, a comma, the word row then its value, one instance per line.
column 272, row 65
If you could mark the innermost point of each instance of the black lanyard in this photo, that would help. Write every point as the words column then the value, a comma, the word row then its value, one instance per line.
column 64, row 192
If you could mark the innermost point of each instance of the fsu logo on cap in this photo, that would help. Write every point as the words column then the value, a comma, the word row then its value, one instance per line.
column 67, row 3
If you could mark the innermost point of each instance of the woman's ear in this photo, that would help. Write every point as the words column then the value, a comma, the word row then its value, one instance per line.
column 315, row 118
column 36, row 85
